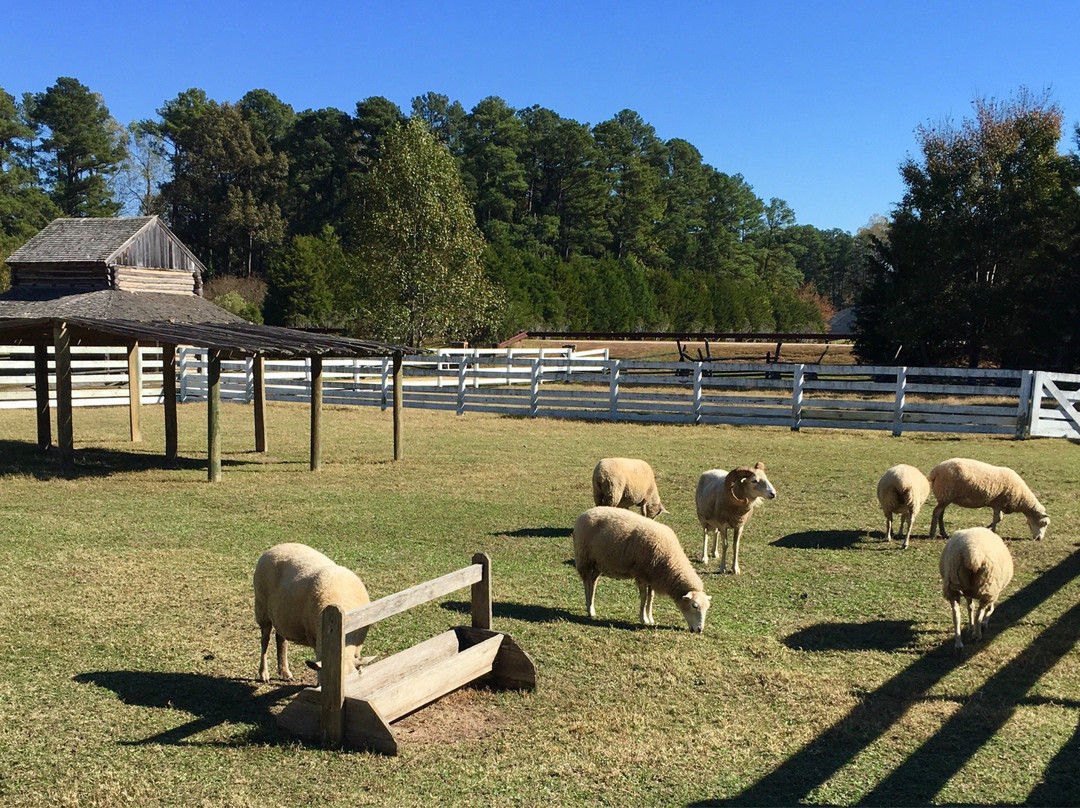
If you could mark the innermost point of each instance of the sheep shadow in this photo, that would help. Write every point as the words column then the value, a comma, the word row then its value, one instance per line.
column 875, row 635
column 820, row 540
column 533, row 613
column 537, row 533
column 211, row 700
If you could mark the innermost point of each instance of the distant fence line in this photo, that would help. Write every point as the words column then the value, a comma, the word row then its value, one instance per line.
column 564, row 383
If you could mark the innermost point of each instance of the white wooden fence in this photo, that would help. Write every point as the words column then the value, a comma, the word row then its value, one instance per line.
column 561, row 383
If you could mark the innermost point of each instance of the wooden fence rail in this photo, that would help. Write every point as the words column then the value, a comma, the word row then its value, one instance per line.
column 562, row 383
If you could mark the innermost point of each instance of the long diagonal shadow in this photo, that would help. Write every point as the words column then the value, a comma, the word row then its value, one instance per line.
column 944, row 755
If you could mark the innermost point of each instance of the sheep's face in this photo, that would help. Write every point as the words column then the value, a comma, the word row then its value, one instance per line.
column 654, row 509
column 694, row 606
column 756, row 485
column 1037, row 524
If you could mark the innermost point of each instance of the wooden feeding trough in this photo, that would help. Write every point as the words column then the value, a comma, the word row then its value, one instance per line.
column 356, row 711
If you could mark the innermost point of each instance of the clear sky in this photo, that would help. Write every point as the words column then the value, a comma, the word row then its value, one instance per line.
column 812, row 102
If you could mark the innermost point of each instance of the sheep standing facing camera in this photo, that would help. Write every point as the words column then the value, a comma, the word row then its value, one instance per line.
column 902, row 490
column 974, row 484
column 975, row 565
column 726, row 500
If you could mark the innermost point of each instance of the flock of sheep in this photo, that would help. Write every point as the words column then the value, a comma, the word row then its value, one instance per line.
column 611, row 540
column 293, row 583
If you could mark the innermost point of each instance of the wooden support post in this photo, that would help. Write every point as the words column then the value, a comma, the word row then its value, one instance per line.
column 134, row 361
column 481, row 594
column 316, row 412
column 65, row 432
column 398, row 406
column 168, row 393
column 332, row 677
column 258, row 371
column 41, row 393
column 213, row 416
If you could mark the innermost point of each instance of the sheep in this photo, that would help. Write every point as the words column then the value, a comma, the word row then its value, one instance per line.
column 625, row 482
column 975, row 564
column 902, row 489
column 727, row 500
column 293, row 584
column 974, row 484
column 621, row 544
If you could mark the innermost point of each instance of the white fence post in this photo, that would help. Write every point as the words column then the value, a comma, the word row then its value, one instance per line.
column 898, row 407
column 613, row 392
column 1037, row 386
column 796, row 397
column 461, row 376
column 534, row 388
column 384, row 381
column 697, row 392
column 1024, row 407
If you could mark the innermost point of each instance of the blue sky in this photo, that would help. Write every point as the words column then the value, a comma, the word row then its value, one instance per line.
column 812, row 102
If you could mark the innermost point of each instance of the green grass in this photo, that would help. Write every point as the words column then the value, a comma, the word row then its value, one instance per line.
column 825, row 673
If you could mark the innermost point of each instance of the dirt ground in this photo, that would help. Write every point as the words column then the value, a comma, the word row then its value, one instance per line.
column 835, row 353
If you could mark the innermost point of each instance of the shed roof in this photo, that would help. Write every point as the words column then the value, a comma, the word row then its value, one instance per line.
column 91, row 240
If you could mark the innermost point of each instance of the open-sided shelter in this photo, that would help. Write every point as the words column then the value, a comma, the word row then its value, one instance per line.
column 130, row 281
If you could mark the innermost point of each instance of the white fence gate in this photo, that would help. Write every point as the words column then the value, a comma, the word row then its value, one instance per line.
column 1055, row 409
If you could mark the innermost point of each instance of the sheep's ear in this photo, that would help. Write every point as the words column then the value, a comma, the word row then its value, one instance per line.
column 315, row 665
column 662, row 509
column 759, row 465
column 688, row 596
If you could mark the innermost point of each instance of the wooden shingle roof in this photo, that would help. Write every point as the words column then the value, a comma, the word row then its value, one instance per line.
column 96, row 240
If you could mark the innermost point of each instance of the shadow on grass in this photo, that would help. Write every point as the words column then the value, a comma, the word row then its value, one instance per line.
column 213, row 701
column 537, row 533
column 531, row 613
column 922, row 775
column 875, row 635
column 20, row 457
column 820, row 540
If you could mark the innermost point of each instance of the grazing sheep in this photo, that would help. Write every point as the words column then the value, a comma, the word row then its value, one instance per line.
column 975, row 564
column 624, row 482
column 621, row 544
column 974, row 484
column 727, row 500
column 293, row 584
column 902, row 489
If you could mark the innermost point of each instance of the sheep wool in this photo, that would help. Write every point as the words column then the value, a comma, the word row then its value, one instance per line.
column 622, row 544
column 975, row 565
column 902, row 490
column 974, row 484
column 626, row 482
column 293, row 584
column 726, row 500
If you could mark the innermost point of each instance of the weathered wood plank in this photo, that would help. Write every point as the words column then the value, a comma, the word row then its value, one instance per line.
column 413, row 596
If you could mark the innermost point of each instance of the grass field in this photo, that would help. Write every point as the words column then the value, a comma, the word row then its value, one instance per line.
column 825, row 673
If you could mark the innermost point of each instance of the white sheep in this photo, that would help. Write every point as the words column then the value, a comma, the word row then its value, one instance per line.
column 625, row 482
column 975, row 564
column 293, row 584
column 726, row 500
column 902, row 490
column 621, row 544
column 974, row 484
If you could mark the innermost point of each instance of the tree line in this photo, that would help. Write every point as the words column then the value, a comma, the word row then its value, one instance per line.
column 590, row 227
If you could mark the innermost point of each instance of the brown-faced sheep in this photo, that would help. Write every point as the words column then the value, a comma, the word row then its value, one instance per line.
column 726, row 500
column 974, row 484
column 976, row 565
column 293, row 584
column 621, row 544
column 902, row 490
column 625, row 482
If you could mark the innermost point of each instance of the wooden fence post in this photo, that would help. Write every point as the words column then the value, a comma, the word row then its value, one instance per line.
column 332, row 677
column 796, row 397
column 316, row 412
column 41, row 394
column 697, row 392
column 463, row 368
column 258, row 400
column 168, row 387
column 65, row 430
column 1025, row 406
column 399, row 406
column 481, row 594
column 898, row 407
column 613, row 392
column 534, row 388
column 134, row 362
column 213, row 416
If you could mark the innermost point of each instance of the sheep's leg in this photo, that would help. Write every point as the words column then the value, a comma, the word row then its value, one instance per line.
column 958, row 644
column 723, row 556
column 283, row 657
column 937, row 520
column 705, row 547
column 646, row 593
column 590, row 593
column 997, row 518
column 737, row 535
column 907, row 533
column 264, row 667
column 716, row 542
column 888, row 527
column 984, row 616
